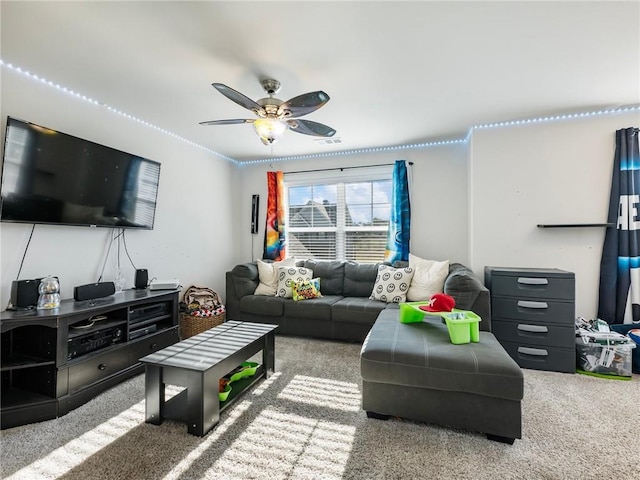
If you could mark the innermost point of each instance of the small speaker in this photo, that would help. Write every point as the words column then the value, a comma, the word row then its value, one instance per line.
column 93, row 290
column 142, row 278
column 24, row 293
column 255, row 205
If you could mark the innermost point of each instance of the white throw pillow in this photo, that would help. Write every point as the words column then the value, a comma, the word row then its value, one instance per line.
column 391, row 284
column 428, row 278
column 268, row 275
column 288, row 276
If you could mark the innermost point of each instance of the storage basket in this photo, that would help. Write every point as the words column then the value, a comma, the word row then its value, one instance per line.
column 201, row 309
column 191, row 325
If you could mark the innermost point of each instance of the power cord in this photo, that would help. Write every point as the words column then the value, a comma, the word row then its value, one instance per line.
column 124, row 240
column 24, row 255
column 108, row 251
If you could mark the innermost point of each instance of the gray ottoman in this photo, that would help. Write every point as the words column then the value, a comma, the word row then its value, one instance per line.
column 413, row 371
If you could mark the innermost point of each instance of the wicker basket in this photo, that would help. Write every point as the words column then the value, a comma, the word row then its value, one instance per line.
column 191, row 325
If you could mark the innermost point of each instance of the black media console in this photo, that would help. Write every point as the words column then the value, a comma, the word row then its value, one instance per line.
column 56, row 360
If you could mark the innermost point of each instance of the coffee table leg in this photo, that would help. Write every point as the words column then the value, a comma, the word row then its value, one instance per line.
column 269, row 354
column 154, row 394
column 203, row 406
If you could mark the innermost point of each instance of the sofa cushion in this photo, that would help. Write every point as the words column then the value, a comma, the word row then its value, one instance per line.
column 245, row 279
column 428, row 278
column 262, row 305
column 268, row 275
column 359, row 279
column 331, row 275
column 422, row 355
column 357, row 310
column 313, row 309
column 391, row 284
column 288, row 276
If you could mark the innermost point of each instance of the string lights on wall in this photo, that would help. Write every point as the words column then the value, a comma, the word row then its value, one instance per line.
column 545, row 119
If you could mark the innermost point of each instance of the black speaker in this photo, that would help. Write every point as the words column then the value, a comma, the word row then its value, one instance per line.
column 142, row 278
column 24, row 293
column 93, row 290
column 255, row 204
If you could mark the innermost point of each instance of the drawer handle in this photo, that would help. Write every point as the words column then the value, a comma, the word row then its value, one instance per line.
column 533, row 328
column 532, row 304
column 533, row 281
column 102, row 366
column 538, row 352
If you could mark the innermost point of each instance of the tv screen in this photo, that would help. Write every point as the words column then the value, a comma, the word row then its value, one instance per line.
column 55, row 178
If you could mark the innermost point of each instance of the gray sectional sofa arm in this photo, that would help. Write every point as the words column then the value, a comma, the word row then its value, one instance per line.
column 469, row 293
column 345, row 311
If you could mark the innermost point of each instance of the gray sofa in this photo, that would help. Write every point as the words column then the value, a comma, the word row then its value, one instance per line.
column 412, row 370
column 345, row 311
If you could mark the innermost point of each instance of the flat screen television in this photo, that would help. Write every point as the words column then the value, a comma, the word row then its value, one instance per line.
column 55, row 178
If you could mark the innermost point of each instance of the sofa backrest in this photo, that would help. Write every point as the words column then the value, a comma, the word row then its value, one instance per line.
column 359, row 278
column 331, row 274
column 245, row 279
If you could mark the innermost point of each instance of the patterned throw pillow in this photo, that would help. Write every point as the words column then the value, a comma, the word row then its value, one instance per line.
column 288, row 276
column 392, row 284
column 306, row 289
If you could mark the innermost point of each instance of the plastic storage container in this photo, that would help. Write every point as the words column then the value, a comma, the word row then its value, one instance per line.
column 463, row 326
column 605, row 355
column 410, row 312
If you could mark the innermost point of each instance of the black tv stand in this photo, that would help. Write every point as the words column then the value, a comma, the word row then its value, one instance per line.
column 56, row 360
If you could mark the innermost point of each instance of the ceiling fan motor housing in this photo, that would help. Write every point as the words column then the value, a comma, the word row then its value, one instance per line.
column 270, row 105
column 270, row 86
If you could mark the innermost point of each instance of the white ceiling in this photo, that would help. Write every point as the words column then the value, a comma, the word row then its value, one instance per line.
column 397, row 72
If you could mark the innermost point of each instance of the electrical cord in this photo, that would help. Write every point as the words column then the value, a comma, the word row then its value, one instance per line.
column 24, row 255
column 108, row 251
column 124, row 240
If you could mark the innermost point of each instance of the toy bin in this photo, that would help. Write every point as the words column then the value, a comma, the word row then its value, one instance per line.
column 410, row 312
column 463, row 326
column 604, row 355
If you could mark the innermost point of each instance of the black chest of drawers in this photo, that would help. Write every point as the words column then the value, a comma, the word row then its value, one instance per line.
column 533, row 315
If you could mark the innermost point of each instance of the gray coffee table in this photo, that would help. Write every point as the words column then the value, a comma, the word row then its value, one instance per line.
column 197, row 364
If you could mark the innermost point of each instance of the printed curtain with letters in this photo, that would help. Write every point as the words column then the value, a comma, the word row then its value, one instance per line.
column 619, row 294
column 400, row 218
column 274, row 232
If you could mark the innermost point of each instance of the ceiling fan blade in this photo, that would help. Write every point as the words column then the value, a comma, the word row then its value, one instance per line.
column 303, row 104
column 227, row 122
column 239, row 98
column 307, row 127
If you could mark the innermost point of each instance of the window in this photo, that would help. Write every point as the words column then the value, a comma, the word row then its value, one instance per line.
column 344, row 219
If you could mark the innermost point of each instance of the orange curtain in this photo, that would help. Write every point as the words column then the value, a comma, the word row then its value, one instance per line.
column 274, row 232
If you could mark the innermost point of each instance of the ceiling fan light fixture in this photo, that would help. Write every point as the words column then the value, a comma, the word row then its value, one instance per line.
column 269, row 129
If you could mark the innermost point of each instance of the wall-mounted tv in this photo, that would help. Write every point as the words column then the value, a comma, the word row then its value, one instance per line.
column 55, row 178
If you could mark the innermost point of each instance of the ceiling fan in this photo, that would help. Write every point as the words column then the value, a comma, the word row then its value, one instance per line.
column 275, row 116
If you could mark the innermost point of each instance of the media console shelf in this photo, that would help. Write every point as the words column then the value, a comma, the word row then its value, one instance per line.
column 56, row 360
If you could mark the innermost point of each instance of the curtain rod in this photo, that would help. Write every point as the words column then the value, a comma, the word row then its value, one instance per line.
column 344, row 168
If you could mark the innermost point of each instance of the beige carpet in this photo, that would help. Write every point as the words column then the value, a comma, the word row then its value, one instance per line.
column 305, row 423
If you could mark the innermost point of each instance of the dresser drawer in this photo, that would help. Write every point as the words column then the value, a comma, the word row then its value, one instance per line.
column 533, row 333
column 97, row 368
column 528, row 285
column 536, row 311
column 542, row 358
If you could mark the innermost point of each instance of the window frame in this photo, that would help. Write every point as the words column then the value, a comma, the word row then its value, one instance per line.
column 339, row 177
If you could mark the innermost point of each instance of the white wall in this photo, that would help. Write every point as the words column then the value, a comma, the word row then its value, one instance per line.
column 556, row 172
column 190, row 240
column 477, row 203
column 438, row 198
